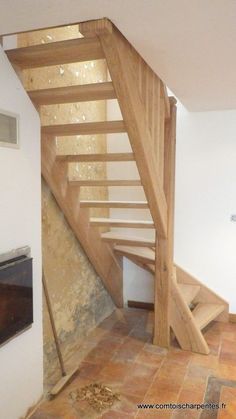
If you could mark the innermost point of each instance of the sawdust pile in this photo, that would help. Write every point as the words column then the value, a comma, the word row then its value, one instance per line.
column 98, row 396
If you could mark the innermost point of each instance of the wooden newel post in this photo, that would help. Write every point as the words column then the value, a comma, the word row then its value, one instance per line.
column 165, row 245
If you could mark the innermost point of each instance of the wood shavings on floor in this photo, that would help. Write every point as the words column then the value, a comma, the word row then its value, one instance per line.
column 98, row 396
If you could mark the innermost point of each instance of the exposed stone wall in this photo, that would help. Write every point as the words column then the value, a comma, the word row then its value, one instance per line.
column 78, row 296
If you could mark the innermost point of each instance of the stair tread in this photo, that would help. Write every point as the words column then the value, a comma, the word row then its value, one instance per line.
column 142, row 253
column 112, row 157
column 121, row 223
column 204, row 313
column 114, row 237
column 56, row 53
column 114, row 204
column 189, row 291
column 84, row 128
column 72, row 94
column 105, row 182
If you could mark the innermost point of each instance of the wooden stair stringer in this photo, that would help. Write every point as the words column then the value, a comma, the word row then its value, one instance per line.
column 205, row 295
column 100, row 254
column 118, row 51
column 184, row 325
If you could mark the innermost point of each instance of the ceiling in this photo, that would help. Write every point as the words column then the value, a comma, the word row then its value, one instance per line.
column 191, row 44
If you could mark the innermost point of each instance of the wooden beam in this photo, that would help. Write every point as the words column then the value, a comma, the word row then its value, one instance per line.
column 114, row 204
column 117, row 52
column 73, row 94
column 56, row 53
column 113, row 222
column 110, row 157
column 95, row 182
column 85, row 128
column 164, row 247
column 140, row 304
column 99, row 253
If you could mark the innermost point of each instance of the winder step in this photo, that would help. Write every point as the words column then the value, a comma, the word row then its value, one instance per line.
column 142, row 254
column 204, row 313
column 118, row 238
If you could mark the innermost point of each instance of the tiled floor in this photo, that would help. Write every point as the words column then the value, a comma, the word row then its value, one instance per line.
column 120, row 355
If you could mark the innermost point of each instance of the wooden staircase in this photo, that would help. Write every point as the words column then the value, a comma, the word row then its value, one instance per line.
column 149, row 119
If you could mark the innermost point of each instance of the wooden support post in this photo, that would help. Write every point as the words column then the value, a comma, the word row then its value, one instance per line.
column 164, row 247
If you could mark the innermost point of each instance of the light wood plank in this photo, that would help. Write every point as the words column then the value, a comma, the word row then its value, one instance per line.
column 118, row 238
column 115, row 182
column 110, row 157
column 165, row 246
column 56, row 53
column 114, row 204
column 73, row 94
column 85, row 128
column 204, row 313
column 167, row 101
column 143, row 254
column 111, row 222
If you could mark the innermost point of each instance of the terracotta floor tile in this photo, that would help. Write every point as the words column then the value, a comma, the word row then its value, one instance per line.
column 128, row 403
column 198, row 372
column 182, row 357
column 136, row 386
column 207, row 361
column 172, row 369
column 119, row 353
column 149, row 347
column 113, row 414
column 139, row 379
column 121, row 329
column 44, row 415
column 90, row 370
column 116, row 370
column 103, row 351
column 186, row 414
column 128, row 350
column 160, row 414
column 165, row 384
column 194, row 384
column 160, row 397
column 191, row 396
column 226, row 371
column 149, row 358
column 228, row 352
column 228, row 396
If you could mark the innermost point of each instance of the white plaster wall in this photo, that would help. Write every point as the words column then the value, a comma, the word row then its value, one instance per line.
column 205, row 238
column 21, row 367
